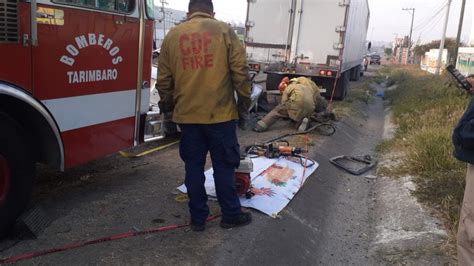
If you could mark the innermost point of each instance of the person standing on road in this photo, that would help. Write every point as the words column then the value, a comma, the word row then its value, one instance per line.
column 202, row 65
column 463, row 140
column 366, row 63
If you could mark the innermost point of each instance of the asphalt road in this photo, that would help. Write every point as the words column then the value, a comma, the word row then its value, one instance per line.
column 328, row 222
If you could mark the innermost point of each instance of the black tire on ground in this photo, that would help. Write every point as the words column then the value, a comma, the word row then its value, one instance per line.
column 346, row 88
column 352, row 74
column 342, row 86
column 17, row 170
column 357, row 71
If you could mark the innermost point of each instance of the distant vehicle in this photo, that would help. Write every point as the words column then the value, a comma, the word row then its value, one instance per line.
column 320, row 39
column 375, row 59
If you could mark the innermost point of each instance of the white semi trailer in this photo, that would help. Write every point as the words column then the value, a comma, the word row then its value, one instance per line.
column 321, row 39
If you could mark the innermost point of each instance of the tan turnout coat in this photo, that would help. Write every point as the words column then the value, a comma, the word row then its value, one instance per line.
column 300, row 98
column 202, row 65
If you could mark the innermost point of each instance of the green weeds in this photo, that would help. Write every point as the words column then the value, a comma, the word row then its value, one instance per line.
column 426, row 108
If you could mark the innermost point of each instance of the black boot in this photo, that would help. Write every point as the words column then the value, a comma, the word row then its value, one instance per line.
column 242, row 219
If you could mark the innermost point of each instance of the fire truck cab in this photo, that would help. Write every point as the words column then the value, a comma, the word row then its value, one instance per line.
column 74, row 86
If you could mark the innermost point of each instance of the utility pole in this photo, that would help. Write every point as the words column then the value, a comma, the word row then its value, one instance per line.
column 163, row 11
column 411, row 29
column 458, row 38
column 443, row 39
column 395, row 48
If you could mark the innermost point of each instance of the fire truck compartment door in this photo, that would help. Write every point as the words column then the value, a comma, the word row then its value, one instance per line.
column 84, row 70
column 15, row 45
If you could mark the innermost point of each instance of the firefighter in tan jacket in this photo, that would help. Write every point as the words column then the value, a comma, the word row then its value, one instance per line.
column 202, row 65
column 299, row 100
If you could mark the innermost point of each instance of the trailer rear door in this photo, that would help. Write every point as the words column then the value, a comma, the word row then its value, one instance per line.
column 268, row 25
column 316, row 38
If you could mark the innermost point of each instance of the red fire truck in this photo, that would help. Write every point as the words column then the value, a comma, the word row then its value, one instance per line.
column 74, row 86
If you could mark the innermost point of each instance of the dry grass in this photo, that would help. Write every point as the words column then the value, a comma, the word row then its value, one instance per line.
column 426, row 108
column 359, row 93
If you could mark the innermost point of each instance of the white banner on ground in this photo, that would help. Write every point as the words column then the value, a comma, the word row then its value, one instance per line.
column 275, row 182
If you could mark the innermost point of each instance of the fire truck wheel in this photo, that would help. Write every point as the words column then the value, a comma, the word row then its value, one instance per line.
column 17, row 169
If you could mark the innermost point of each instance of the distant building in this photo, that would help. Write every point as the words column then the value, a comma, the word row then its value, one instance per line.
column 428, row 61
column 465, row 61
column 240, row 31
column 400, row 52
column 163, row 24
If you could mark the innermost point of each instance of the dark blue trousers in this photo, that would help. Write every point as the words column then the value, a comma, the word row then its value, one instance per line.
column 221, row 141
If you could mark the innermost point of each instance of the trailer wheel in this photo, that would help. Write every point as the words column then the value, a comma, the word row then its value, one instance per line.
column 357, row 70
column 342, row 86
column 355, row 73
column 17, row 169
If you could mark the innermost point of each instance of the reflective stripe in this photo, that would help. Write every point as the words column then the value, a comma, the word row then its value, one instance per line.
column 88, row 110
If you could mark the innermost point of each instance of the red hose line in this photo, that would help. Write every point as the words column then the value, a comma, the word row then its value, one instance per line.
column 72, row 246
column 332, row 95
column 306, row 139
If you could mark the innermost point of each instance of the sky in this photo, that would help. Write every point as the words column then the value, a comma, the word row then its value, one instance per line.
column 227, row 10
column 388, row 20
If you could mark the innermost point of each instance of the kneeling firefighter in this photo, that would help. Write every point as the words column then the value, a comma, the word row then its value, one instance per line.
column 300, row 100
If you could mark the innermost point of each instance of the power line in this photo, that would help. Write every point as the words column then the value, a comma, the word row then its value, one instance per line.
column 427, row 21
column 430, row 25
column 434, row 21
column 433, row 24
column 443, row 38
column 435, row 13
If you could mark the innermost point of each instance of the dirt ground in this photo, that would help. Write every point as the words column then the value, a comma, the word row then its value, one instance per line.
column 328, row 222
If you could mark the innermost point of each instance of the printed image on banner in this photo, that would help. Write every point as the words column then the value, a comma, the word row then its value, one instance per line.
column 275, row 182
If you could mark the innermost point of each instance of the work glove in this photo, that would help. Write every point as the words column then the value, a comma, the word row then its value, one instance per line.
column 244, row 124
column 244, row 121
column 170, row 128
